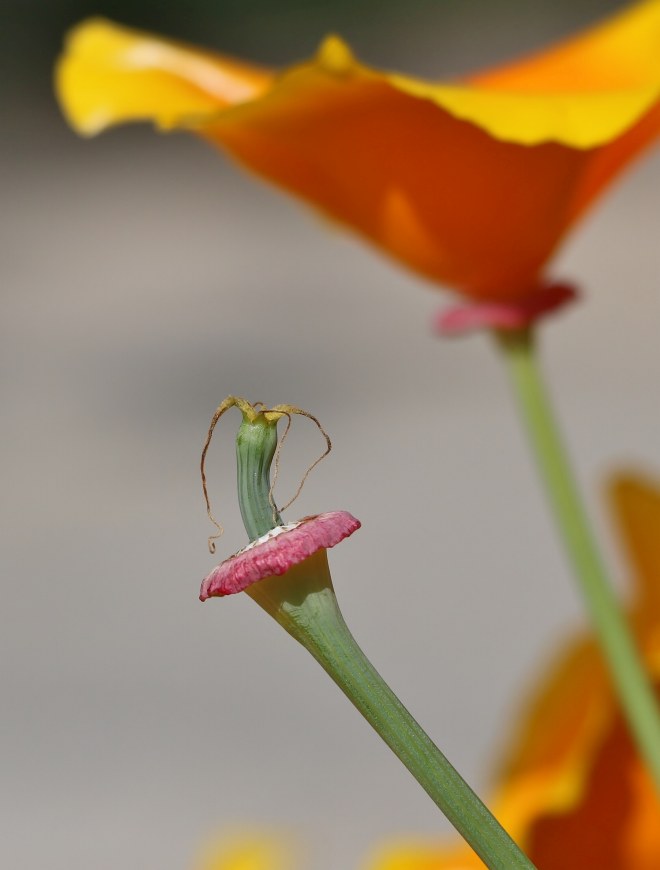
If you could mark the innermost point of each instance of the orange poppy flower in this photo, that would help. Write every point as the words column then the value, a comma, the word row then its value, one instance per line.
column 574, row 794
column 472, row 184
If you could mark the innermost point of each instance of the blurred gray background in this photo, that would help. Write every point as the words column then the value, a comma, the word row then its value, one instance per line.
column 143, row 279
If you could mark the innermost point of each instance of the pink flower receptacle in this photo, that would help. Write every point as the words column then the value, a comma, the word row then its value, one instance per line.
column 507, row 317
column 277, row 551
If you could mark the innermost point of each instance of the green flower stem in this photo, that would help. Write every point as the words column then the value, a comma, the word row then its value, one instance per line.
column 632, row 684
column 304, row 603
column 255, row 447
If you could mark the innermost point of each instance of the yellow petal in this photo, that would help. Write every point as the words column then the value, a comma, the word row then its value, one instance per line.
column 111, row 74
column 583, row 92
column 620, row 53
column 579, row 120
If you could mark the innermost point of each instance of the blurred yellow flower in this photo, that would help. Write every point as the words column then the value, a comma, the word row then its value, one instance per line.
column 574, row 793
column 249, row 851
column 472, row 183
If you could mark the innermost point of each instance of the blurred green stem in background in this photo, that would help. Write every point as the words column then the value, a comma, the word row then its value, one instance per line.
column 303, row 601
column 627, row 671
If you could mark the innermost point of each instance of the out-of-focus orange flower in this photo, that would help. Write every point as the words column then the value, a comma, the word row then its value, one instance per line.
column 472, row 183
column 574, row 793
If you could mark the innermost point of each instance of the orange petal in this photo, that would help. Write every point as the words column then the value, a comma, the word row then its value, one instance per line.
column 635, row 500
column 551, row 756
column 435, row 192
column 614, row 825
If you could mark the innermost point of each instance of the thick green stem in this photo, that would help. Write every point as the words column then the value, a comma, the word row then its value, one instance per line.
column 629, row 677
column 255, row 447
column 304, row 603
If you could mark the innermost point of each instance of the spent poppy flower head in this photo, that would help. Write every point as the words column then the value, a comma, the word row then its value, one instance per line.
column 275, row 548
column 471, row 183
column 573, row 791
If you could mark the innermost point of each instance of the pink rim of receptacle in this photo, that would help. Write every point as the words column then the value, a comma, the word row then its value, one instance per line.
column 504, row 316
column 277, row 551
